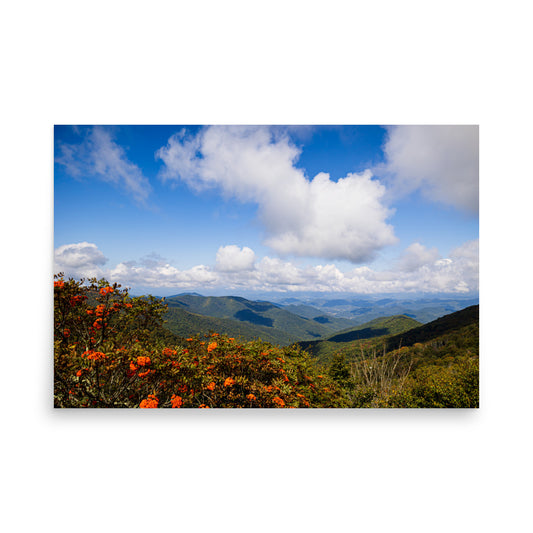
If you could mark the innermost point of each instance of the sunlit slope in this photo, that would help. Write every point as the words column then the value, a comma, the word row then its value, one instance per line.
column 280, row 325
column 377, row 328
column 436, row 328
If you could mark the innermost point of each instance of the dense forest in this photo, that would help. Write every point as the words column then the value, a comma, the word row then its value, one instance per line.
column 115, row 350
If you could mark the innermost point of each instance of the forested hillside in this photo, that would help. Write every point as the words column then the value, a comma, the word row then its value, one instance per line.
column 187, row 324
column 324, row 348
column 438, row 366
column 250, row 319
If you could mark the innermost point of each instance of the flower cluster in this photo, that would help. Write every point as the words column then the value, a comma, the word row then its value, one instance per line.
column 106, row 290
column 93, row 355
column 150, row 403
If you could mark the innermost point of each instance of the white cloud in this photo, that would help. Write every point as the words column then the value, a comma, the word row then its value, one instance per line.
column 466, row 258
column 79, row 260
column 231, row 258
column 159, row 273
column 440, row 161
column 309, row 218
column 416, row 256
column 420, row 271
column 98, row 155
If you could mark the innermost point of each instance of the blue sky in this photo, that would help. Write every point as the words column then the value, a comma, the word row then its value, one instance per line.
column 218, row 210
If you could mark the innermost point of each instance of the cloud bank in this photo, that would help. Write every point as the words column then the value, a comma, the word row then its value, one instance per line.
column 418, row 270
column 99, row 156
column 302, row 217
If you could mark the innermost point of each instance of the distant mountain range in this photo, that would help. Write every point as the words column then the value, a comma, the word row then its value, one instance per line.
column 360, row 311
column 292, row 320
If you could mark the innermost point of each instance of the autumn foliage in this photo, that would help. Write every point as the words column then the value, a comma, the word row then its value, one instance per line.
column 110, row 350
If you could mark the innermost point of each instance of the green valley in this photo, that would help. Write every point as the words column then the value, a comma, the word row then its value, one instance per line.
column 189, row 314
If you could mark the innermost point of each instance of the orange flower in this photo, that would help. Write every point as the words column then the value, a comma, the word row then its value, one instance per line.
column 215, row 334
column 251, row 397
column 106, row 290
column 169, row 352
column 176, row 401
column 190, row 339
column 93, row 356
column 59, row 284
column 278, row 401
column 66, row 333
column 231, row 339
column 75, row 299
column 211, row 386
column 143, row 360
column 89, row 311
column 150, row 403
column 229, row 382
column 203, row 406
column 133, row 368
column 78, row 373
column 143, row 374
column 129, row 306
column 211, row 346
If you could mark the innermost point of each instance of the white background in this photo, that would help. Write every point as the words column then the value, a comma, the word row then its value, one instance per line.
column 290, row 62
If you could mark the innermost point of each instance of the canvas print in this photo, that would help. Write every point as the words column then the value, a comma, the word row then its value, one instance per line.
column 269, row 266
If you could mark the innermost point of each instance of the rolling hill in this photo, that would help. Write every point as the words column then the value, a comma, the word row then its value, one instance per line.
column 436, row 328
column 360, row 310
column 185, row 324
column 324, row 348
column 318, row 315
column 279, row 323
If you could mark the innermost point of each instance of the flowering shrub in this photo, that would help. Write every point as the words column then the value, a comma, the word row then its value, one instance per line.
column 108, row 353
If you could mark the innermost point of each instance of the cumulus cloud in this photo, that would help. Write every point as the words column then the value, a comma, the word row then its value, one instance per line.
column 422, row 271
column 98, row 155
column 303, row 217
column 231, row 258
column 158, row 273
column 440, row 161
column 79, row 260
